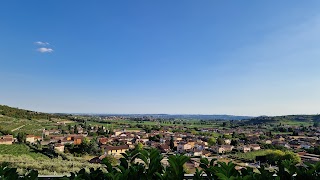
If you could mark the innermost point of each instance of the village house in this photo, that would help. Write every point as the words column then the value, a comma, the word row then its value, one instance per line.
column 143, row 141
column 7, row 139
column 279, row 138
column 56, row 138
column 117, row 133
column 80, row 130
column 227, row 141
column 305, row 146
column 199, row 146
column 223, row 149
column 33, row 139
column 244, row 148
column 183, row 147
column 115, row 150
column 65, row 141
column 164, row 148
column 59, row 147
column 197, row 152
column 51, row 132
column 30, row 138
column 255, row 147
column 191, row 143
column 77, row 139
column 103, row 140
column 206, row 153
column 268, row 141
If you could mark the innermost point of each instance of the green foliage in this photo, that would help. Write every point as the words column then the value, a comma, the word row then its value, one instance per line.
column 219, row 170
column 275, row 156
column 45, row 165
column 175, row 170
column 315, row 150
column 86, row 147
column 18, row 150
column 227, row 136
column 251, row 155
column 139, row 146
column 171, row 142
column 212, row 141
column 220, row 141
column 7, row 173
column 234, row 142
column 146, row 165
column 21, row 137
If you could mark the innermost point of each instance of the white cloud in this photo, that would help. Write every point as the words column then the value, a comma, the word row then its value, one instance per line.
column 45, row 50
column 40, row 43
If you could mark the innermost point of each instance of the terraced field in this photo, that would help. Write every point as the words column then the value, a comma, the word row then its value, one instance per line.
column 34, row 126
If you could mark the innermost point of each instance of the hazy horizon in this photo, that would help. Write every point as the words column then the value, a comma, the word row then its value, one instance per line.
column 106, row 113
column 174, row 57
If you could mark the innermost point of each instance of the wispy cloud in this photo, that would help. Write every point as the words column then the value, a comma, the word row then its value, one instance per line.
column 42, row 48
column 40, row 43
column 45, row 50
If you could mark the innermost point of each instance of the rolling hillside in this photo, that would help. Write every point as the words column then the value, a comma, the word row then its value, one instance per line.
column 13, row 120
column 288, row 119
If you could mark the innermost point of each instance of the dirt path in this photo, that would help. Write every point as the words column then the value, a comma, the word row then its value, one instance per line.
column 17, row 128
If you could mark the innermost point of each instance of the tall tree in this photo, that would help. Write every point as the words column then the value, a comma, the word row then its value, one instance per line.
column 21, row 137
column 212, row 141
column 75, row 129
column 171, row 143
column 220, row 141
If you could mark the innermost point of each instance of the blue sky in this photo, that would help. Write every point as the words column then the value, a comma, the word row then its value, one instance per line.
column 180, row 57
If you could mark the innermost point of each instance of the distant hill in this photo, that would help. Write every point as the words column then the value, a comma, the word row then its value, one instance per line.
column 27, row 114
column 287, row 118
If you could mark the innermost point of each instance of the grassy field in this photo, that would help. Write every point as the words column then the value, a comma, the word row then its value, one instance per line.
column 20, row 149
column 297, row 123
column 119, row 123
column 251, row 155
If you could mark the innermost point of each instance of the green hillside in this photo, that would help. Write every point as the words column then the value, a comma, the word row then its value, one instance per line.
column 14, row 120
column 288, row 119
column 27, row 114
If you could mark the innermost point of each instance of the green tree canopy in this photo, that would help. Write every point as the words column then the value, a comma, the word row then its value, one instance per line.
column 21, row 137
column 212, row 141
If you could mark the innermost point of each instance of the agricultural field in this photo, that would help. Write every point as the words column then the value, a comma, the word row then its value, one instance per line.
column 19, row 149
column 34, row 126
column 297, row 123
column 251, row 155
column 189, row 123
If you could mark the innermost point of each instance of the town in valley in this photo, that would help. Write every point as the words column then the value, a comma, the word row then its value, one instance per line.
column 88, row 139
